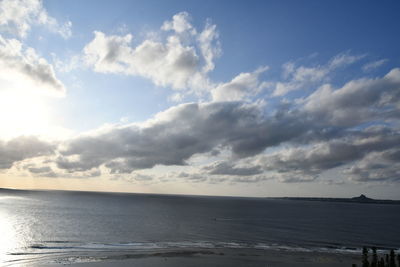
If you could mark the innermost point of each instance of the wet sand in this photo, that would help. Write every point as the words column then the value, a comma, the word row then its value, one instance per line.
column 216, row 257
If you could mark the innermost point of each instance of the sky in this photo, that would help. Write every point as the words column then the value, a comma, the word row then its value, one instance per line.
column 242, row 98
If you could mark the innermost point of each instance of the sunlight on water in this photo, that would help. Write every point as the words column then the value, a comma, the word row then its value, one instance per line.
column 8, row 240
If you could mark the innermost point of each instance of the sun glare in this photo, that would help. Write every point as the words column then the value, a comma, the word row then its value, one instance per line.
column 7, row 240
column 23, row 114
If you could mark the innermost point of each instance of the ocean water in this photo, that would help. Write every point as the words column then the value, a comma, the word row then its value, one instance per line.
column 54, row 226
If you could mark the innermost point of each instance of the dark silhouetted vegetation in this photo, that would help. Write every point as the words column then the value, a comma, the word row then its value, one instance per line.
column 374, row 262
column 388, row 260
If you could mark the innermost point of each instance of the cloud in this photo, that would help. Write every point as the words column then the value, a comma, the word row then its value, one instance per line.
column 44, row 166
column 247, row 179
column 180, row 24
column 17, row 17
column 24, row 69
column 192, row 177
column 22, row 148
column 175, row 135
column 142, row 177
column 45, row 169
column 209, row 45
column 311, row 160
column 241, row 87
column 373, row 65
column 377, row 167
column 225, row 168
column 109, row 54
column 300, row 77
column 357, row 101
column 342, row 60
column 180, row 61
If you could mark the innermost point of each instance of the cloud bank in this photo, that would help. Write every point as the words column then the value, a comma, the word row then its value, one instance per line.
column 248, row 130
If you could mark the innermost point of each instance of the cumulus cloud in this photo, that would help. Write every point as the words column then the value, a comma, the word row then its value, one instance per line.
column 18, row 16
column 357, row 101
column 298, row 163
column 21, row 148
column 377, row 167
column 298, row 77
column 226, row 168
column 177, row 134
column 180, row 24
column 45, row 166
column 181, row 61
column 241, row 87
column 22, row 68
column 192, row 177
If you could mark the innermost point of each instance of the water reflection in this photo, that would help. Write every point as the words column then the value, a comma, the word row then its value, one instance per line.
column 14, row 229
column 8, row 236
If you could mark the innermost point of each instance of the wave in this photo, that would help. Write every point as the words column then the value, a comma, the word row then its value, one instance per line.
column 69, row 252
column 75, row 245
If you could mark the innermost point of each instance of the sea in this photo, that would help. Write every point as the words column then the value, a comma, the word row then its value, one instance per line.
column 67, row 227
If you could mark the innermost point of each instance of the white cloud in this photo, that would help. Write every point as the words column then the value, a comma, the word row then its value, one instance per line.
column 357, row 101
column 209, row 45
column 18, row 16
column 180, row 61
column 180, row 23
column 240, row 87
column 343, row 59
column 109, row 54
column 24, row 69
column 299, row 77
column 373, row 65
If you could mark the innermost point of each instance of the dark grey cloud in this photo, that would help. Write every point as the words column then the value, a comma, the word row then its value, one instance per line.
column 21, row 148
column 43, row 74
column 179, row 133
column 141, row 177
column 299, row 162
column 40, row 169
column 192, row 177
column 226, row 168
column 44, row 169
column 377, row 167
column 248, row 179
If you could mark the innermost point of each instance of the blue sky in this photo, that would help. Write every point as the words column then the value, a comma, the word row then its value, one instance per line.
column 260, row 98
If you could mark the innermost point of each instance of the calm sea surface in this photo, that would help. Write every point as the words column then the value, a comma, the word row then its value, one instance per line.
column 63, row 226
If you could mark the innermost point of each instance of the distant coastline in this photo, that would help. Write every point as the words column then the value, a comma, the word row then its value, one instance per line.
column 360, row 199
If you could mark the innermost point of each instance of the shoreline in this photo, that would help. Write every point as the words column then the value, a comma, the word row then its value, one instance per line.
column 212, row 257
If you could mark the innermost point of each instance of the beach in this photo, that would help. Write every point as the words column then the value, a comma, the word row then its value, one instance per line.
column 217, row 257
